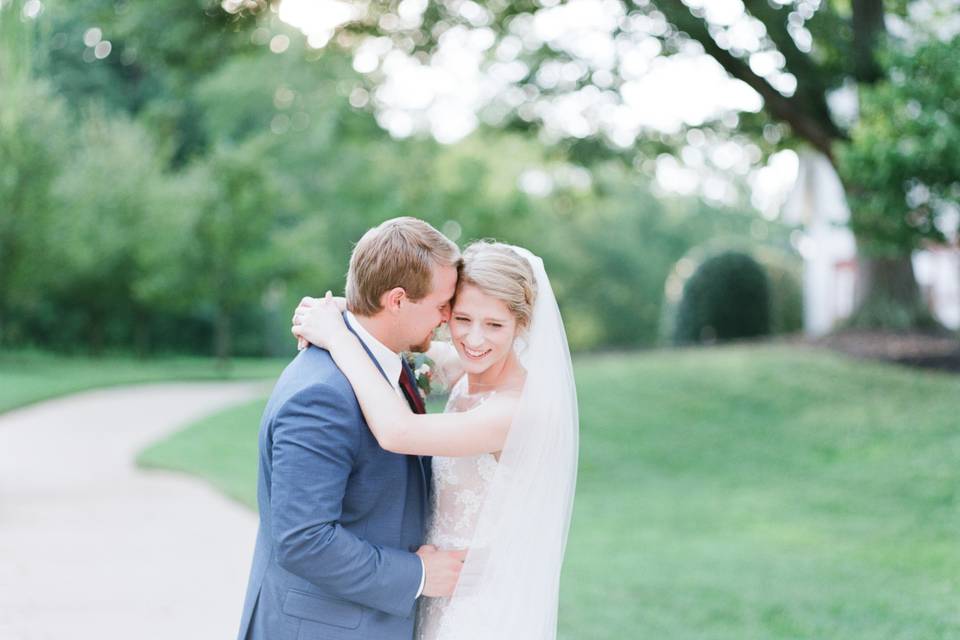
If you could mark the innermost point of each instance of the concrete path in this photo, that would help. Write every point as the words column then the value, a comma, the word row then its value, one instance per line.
column 92, row 547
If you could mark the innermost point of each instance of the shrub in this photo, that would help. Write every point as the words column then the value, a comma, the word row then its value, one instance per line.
column 786, row 294
column 728, row 297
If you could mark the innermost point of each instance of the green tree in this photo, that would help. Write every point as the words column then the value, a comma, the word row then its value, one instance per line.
column 904, row 155
column 193, row 191
column 101, row 202
column 215, row 245
column 143, row 59
column 34, row 131
column 821, row 45
column 609, row 241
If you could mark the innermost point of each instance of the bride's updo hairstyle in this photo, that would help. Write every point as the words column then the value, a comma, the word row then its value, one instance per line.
column 500, row 272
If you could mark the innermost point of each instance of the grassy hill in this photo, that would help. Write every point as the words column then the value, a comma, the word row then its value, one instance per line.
column 733, row 493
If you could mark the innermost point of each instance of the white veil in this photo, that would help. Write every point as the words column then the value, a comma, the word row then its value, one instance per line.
column 510, row 581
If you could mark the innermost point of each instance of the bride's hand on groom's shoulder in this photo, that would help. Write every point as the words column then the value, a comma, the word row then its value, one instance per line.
column 307, row 302
column 318, row 320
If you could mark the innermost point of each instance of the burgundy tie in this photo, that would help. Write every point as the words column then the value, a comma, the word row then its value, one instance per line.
column 413, row 396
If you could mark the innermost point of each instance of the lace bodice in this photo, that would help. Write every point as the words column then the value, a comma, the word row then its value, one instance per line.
column 459, row 485
column 459, row 489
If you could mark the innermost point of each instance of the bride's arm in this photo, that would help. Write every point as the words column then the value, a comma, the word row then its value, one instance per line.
column 394, row 425
column 447, row 365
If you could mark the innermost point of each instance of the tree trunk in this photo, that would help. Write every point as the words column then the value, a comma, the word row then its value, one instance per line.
column 223, row 338
column 141, row 332
column 96, row 334
column 887, row 295
column 868, row 25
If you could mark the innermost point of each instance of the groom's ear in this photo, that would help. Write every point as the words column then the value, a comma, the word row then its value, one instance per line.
column 391, row 299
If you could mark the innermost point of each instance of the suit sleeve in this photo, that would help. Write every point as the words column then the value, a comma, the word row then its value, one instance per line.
column 314, row 447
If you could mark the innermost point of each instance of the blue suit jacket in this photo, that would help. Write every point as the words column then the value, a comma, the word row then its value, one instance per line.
column 339, row 517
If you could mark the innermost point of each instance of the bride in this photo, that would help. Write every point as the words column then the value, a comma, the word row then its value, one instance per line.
column 504, row 450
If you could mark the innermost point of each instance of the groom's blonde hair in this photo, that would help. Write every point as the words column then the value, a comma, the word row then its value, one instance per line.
column 400, row 252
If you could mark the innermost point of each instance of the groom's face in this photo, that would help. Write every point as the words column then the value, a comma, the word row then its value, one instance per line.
column 418, row 320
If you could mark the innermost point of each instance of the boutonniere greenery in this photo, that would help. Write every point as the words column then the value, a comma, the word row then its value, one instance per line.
column 422, row 368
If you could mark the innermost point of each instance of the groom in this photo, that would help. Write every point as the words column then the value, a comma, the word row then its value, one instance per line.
column 338, row 552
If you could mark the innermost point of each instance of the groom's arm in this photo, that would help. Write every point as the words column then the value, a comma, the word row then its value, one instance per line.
column 314, row 447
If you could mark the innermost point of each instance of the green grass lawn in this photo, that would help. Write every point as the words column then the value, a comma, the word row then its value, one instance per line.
column 735, row 493
column 28, row 377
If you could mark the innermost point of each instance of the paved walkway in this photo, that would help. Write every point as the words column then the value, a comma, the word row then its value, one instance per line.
column 92, row 547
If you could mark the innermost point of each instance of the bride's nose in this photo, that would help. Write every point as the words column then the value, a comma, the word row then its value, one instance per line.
column 474, row 337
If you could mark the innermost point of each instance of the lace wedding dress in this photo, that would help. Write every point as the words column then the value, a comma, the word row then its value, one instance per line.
column 513, row 514
column 459, row 489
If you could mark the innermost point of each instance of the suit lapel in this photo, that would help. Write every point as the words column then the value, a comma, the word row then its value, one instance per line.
column 422, row 461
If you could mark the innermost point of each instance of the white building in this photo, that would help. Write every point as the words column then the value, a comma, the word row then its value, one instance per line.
column 818, row 205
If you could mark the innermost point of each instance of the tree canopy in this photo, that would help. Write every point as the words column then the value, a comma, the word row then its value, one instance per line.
column 803, row 58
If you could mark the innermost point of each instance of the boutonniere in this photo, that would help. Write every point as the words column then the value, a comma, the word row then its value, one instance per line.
column 422, row 368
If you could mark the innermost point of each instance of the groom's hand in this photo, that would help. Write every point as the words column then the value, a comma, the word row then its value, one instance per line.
column 442, row 569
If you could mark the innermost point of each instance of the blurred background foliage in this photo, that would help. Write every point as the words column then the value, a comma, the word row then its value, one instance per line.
column 169, row 184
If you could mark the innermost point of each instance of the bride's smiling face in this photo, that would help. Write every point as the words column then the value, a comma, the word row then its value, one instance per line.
column 482, row 329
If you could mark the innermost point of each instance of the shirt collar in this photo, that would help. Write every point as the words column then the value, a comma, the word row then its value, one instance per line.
column 388, row 360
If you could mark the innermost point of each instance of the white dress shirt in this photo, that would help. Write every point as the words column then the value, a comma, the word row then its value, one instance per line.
column 392, row 366
column 388, row 360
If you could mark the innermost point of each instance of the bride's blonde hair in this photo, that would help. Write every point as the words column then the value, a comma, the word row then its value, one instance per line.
column 500, row 272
